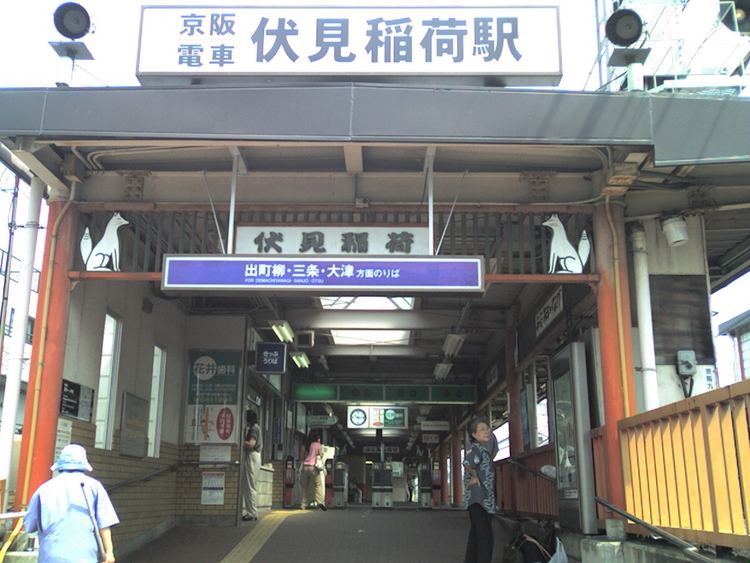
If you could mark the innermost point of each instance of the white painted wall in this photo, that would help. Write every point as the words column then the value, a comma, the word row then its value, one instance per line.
column 214, row 332
column 165, row 326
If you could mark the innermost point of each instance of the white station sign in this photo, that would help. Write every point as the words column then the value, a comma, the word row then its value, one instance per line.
column 518, row 42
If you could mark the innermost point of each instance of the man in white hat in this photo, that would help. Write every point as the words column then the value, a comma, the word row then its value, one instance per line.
column 63, row 516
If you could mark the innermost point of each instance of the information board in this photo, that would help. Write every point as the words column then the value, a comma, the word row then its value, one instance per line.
column 76, row 401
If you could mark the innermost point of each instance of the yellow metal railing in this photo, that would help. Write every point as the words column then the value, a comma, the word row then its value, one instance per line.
column 686, row 466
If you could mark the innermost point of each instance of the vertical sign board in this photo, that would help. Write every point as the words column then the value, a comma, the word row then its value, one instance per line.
column 212, row 411
column 270, row 357
column 76, row 401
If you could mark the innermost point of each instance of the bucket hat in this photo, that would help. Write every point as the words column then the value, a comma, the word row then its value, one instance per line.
column 72, row 458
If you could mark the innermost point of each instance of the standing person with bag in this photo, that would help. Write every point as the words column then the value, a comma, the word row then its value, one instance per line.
column 251, row 447
column 312, row 467
column 479, row 490
column 69, row 511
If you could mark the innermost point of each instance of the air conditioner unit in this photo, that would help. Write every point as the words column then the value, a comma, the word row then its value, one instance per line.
column 304, row 339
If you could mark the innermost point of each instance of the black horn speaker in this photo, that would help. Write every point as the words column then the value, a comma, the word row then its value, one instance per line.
column 72, row 20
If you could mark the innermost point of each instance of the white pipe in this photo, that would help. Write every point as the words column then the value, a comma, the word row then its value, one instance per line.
column 645, row 323
column 21, row 297
column 232, row 202
column 635, row 77
column 429, row 165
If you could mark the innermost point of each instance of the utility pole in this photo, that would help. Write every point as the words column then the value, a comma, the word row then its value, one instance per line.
column 21, row 298
column 8, row 262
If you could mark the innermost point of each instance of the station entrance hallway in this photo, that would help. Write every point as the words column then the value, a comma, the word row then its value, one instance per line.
column 363, row 534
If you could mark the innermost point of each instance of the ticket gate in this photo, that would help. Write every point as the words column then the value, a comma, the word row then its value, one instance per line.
column 340, row 484
column 382, row 485
column 437, row 484
column 289, row 478
column 329, row 483
column 425, row 487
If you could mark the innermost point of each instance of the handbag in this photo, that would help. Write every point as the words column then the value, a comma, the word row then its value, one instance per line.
column 319, row 464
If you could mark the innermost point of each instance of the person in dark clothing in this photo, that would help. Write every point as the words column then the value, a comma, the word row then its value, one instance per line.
column 479, row 490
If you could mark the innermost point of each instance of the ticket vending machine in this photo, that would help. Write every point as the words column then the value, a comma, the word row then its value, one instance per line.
column 575, row 477
column 437, row 484
column 340, row 484
column 425, row 487
column 289, row 476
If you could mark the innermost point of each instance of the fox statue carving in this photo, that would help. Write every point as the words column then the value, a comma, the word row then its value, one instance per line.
column 105, row 256
column 563, row 257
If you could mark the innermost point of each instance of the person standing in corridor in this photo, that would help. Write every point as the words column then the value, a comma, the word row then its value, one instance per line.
column 311, row 482
column 252, row 447
column 479, row 490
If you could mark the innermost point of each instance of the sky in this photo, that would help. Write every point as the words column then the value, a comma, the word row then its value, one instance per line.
column 114, row 41
column 726, row 304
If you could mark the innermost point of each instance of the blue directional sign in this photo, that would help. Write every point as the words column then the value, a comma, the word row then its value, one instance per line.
column 270, row 357
column 321, row 275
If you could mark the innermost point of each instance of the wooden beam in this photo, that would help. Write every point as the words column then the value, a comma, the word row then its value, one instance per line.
column 149, row 206
column 235, row 151
column 541, row 278
column 116, row 276
column 353, row 158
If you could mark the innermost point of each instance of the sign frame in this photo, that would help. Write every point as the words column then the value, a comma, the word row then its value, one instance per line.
column 520, row 44
column 279, row 348
column 77, row 400
column 399, row 274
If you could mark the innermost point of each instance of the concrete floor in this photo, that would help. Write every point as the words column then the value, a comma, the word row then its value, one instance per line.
column 364, row 535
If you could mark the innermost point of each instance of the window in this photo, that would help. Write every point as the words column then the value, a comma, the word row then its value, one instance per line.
column 105, row 401
column 502, row 433
column 542, row 423
column 30, row 330
column 157, row 398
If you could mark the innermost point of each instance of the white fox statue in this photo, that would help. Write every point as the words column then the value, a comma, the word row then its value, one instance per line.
column 563, row 257
column 105, row 256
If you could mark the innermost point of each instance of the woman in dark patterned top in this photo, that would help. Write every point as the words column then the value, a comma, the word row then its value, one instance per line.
column 479, row 490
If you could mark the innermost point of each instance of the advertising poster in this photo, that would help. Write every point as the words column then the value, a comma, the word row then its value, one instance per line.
column 212, row 415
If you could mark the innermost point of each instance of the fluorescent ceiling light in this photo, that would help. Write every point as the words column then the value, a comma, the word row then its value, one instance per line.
column 300, row 359
column 379, row 337
column 442, row 370
column 453, row 343
column 282, row 330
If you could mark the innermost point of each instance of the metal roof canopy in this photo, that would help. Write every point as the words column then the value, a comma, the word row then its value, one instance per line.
column 355, row 147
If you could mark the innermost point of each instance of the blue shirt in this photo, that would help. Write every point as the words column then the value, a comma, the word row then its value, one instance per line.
column 58, row 512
